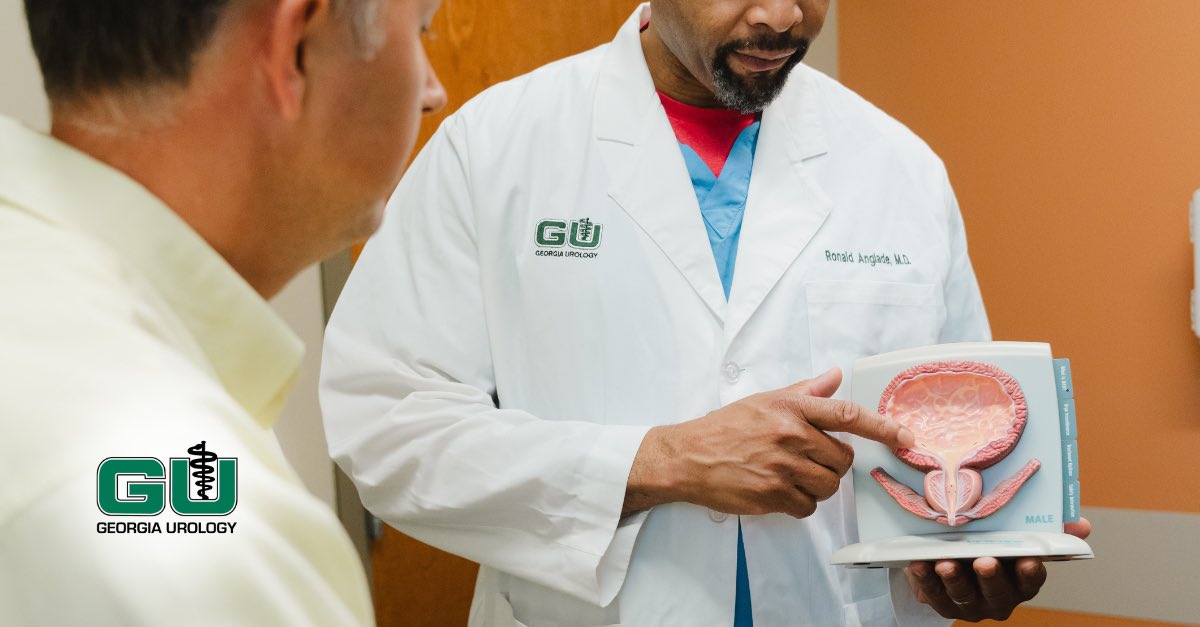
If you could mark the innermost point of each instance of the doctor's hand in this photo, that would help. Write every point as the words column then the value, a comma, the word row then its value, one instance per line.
column 984, row 588
column 770, row 452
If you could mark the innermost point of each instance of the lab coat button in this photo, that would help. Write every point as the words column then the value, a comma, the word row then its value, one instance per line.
column 717, row 516
column 732, row 372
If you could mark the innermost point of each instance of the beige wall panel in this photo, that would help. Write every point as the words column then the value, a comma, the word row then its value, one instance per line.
column 21, row 94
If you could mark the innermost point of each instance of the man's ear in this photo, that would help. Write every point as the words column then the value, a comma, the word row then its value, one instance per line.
column 291, row 24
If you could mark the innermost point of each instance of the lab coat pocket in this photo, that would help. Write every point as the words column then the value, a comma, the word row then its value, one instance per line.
column 852, row 319
column 874, row 612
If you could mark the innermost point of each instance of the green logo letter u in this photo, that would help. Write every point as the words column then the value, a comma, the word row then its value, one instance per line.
column 181, row 498
column 585, row 234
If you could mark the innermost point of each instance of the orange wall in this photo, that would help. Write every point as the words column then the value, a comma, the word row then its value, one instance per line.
column 1071, row 130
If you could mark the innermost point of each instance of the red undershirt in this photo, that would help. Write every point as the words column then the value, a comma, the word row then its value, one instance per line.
column 710, row 132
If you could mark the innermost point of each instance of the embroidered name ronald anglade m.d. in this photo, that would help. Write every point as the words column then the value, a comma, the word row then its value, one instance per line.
column 867, row 259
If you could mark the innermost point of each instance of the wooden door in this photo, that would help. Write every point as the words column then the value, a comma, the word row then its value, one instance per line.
column 475, row 44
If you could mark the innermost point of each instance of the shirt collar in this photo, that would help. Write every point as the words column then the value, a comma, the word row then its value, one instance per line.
column 249, row 347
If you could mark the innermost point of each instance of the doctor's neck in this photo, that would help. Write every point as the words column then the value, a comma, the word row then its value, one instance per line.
column 671, row 76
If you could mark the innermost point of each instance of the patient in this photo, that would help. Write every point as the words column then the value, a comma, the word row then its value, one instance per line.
column 201, row 154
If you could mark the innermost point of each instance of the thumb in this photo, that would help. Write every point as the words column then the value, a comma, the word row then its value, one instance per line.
column 1081, row 529
column 824, row 384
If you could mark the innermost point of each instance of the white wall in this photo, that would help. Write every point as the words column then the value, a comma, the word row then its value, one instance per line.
column 299, row 428
column 20, row 82
column 824, row 53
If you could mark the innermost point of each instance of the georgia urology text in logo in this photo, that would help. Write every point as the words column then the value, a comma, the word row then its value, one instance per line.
column 143, row 487
column 577, row 239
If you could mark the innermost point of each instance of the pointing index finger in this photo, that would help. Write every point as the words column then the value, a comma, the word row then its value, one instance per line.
column 829, row 414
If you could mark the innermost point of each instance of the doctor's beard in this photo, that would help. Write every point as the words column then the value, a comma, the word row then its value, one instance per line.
column 752, row 94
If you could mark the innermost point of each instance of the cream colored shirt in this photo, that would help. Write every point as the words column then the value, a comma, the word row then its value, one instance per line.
column 123, row 334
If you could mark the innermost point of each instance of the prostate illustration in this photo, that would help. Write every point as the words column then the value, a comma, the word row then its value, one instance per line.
column 966, row 416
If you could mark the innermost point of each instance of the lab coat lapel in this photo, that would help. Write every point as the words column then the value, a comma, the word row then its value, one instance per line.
column 786, row 206
column 647, row 175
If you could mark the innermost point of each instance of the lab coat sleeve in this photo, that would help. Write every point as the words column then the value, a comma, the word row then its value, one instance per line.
column 966, row 319
column 407, row 389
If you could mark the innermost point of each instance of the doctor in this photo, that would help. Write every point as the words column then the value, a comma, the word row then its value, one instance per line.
column 571, row 353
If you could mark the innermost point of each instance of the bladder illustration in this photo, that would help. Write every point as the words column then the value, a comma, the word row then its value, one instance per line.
column 966, row 416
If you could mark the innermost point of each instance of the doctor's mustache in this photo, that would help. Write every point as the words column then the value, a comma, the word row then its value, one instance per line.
column 767, row 42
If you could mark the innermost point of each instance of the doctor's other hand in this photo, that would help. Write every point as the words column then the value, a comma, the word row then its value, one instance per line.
column 986, row 588
column 767, row 453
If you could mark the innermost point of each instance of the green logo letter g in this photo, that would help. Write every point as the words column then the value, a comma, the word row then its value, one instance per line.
column 143, row 496
column 551, row 233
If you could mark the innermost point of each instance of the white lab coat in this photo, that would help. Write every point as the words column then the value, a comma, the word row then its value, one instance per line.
column 452, row 309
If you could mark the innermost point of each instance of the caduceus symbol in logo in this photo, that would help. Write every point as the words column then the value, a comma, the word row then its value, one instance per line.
column 202, row 468
column 585, row 229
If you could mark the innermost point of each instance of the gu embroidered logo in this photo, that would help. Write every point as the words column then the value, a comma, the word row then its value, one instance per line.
column 147, row 492
column 144, row 486
column 551, row 236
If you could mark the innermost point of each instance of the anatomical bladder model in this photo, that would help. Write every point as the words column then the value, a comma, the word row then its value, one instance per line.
column 966, row 416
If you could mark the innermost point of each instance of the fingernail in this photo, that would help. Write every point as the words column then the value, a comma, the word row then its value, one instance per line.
column 906, row 438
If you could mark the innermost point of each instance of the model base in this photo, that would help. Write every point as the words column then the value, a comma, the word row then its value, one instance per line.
column 898, row 552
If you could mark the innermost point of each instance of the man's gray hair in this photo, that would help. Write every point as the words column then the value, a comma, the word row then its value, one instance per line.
column 369, row 34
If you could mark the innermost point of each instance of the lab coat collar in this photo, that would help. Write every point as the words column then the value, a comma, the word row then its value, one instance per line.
column 248, row 346
column 786, row 205
column 647, row 175
column 649, row 180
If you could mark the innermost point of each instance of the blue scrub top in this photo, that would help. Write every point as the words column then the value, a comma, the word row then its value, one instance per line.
column 723, row 204
column 723, row 200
